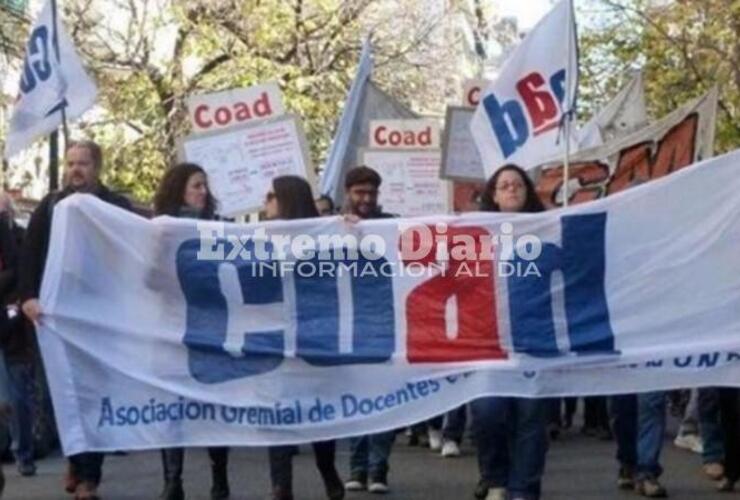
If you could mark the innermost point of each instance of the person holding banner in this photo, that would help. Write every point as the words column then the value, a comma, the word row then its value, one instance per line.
column 368, row 454
column 291, row 198
column 511, row 433
column 184, row 192
column 83, row 165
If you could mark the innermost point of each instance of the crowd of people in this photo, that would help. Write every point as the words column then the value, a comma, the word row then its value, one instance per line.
column 511, row 434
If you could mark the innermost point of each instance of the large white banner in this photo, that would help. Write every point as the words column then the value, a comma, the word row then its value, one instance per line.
column 202, row 333
column 519, row 117
column 53, row 80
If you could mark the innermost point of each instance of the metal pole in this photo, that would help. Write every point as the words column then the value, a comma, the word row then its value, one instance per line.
column 569, row 104
column 54, row 161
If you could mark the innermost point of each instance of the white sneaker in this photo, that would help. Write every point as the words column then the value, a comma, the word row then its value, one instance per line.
column 354, row 485
column 496, row 494
column 450, row 449
column 691, row 442
column 378, row 487
column 435, row 440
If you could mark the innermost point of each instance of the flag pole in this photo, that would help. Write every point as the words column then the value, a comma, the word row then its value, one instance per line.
column 569, row 104
column 55, row 43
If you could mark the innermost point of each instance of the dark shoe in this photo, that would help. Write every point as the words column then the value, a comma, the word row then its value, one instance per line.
column 724, row 485
column 27, row 469
column 172, row 491
column 605, row 434
column 481, row 489
column 86, row 491
column 651, row 488
column 626, row 478
column 280, row 493
column 70, row 479
column 220, row 486
column 553, row 430
column 357, row 482
column 378, row 483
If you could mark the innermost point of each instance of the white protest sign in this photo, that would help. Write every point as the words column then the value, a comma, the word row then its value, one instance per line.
column 460, row 157
column 242, row 162
column 411, row 185
column 408, row 134
column 234, row 107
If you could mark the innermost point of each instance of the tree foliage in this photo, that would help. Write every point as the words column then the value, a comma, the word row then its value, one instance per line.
column 685, row 47
column 149, row 55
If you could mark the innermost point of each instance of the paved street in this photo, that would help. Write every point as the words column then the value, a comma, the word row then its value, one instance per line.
column 578, row 468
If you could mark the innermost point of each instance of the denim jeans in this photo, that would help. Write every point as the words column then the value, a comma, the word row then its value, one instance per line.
column 709, row 426
column 639, row 429
column 22, row 390
column 369, row 455
column 454, row 424
column 512, row 443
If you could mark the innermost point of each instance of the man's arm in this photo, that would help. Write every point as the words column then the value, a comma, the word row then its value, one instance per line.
column 33, row 259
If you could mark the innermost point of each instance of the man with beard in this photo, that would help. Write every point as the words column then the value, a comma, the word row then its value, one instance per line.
column 83, row 165
column 368, row 454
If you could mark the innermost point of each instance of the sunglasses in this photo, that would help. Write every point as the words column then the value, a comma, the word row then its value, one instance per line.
column 270, row 196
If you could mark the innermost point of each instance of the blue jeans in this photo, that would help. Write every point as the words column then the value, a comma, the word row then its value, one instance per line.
column 709, row 426
column 511, row 437
column 639, row 429
column 369, row 454
column 22, row 390
column 454, row 424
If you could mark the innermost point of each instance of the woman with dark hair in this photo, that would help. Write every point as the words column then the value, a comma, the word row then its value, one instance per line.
column 184, row 192
column 291, row 198
column 511, row 433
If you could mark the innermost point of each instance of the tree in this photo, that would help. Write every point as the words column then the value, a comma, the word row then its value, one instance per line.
column 149, row 55
column 684, row 47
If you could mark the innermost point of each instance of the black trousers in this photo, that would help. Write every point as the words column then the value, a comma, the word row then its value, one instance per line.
column 88, row 467
column 729, row 410
column 281, row 463
column 173, row 458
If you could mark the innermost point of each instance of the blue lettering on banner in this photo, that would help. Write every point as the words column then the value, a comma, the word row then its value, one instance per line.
column 317, row 314
column 509, row 138
column 373, row 321
column 36, row 67
column 582, row 261
column 207, row 316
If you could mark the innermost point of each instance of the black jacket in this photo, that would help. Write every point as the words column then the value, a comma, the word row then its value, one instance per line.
column 36, row 246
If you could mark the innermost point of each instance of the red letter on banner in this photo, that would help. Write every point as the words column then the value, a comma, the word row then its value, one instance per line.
column 540, row 103
column 470, row 283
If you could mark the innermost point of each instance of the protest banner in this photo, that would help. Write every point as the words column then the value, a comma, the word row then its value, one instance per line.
column 460, row 157
column 472, row 89
column 242, row 161
column 231, row 108
column 411, row 185
column 229, row 334
column 680, row 139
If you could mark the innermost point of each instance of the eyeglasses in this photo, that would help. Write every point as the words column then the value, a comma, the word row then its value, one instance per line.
column 505, row 186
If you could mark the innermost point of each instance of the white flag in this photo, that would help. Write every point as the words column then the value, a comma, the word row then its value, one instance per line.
column 49, row 83
column 624, row 114
column 519, row 116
